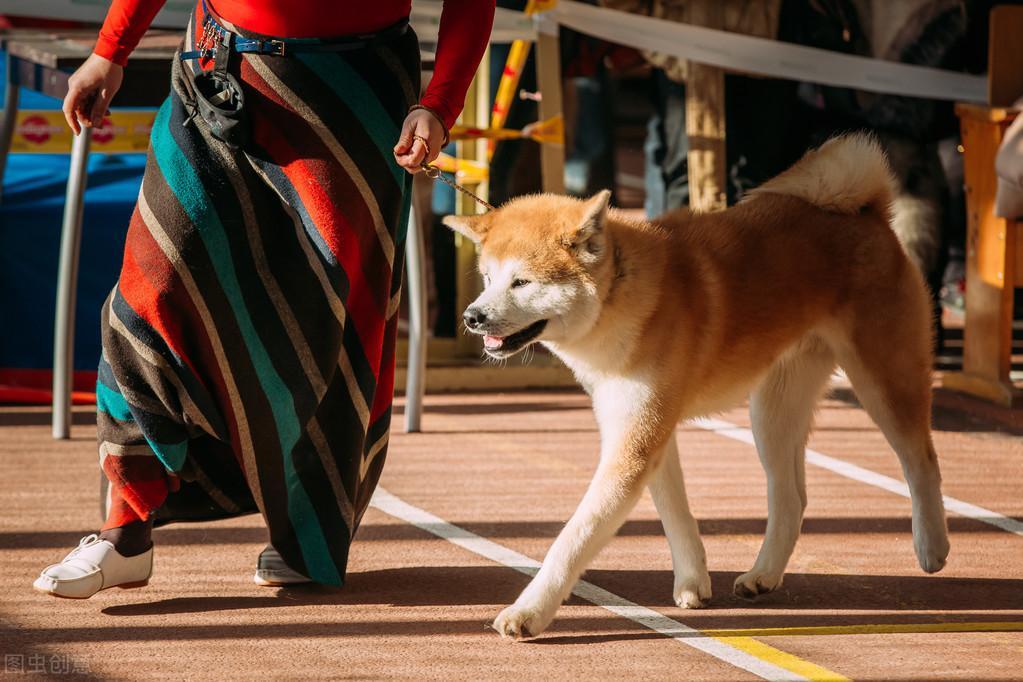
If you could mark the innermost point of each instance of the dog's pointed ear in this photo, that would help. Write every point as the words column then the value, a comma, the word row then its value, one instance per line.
column 471, row 226
column 589, row 232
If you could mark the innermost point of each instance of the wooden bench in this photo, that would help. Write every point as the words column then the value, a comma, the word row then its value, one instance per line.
column 994, row 246
column 994, row 263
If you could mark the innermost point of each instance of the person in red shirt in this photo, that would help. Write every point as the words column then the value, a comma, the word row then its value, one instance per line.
column 248, row 346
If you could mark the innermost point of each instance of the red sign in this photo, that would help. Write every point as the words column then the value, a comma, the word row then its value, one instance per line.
column 104, row 133
column 35, row 129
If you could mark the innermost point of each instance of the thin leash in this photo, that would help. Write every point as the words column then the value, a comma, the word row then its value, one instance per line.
column 435, row 173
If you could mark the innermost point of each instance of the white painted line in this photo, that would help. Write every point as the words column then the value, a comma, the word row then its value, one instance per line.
column 424, row 520
column 858, row 473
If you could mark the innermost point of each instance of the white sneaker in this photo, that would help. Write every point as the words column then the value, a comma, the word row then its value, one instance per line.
column 92, row 566
column 271, row 571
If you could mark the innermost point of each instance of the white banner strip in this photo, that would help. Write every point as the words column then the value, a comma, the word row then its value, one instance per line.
column 731, row 51
column 763, row 57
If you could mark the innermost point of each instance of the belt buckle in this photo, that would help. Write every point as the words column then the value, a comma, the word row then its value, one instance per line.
column 277, row 47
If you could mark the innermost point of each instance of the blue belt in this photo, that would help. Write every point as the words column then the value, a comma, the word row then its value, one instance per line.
column 214, row 34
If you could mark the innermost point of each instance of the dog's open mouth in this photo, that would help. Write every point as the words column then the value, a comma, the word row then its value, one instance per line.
column 507, row 345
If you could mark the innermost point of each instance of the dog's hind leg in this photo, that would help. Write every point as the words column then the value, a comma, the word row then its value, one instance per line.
column 781, row 410
column 889, row 366
column 667, row 488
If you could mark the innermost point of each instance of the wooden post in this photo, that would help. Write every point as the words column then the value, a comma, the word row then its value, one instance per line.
column 548, row 77
column 705, row 120
column 1005, row 56
column 467, row 280
column 993, row 252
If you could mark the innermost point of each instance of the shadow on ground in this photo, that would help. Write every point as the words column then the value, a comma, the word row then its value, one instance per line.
column 184, row 534
column 957, row 413
column 44, row 418
column 496, row 585
column 501, row 405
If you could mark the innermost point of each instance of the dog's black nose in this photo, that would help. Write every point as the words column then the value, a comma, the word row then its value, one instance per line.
column 473, row 318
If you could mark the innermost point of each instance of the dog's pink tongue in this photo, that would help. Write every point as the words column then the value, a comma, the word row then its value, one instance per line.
column 493, row 341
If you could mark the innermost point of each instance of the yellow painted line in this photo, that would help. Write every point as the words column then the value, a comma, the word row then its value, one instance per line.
column 782, row 659
column 886, row 629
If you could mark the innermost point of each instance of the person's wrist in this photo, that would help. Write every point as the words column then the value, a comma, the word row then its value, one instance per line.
column 113, row 54
column 436, row 116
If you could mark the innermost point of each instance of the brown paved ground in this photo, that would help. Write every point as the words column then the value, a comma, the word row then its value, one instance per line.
column 511, row 468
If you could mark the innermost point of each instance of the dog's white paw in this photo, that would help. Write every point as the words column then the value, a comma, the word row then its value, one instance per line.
column 693, row 593
column 931, row 549
column 755, row 583
column 519, row 622
column 930, row 530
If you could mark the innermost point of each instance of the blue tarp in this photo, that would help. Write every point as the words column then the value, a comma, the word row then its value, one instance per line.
column 30, row 218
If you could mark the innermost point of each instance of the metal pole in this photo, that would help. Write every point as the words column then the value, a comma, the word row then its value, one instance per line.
column 67, row 280
column 415, row 248
column 11, row 93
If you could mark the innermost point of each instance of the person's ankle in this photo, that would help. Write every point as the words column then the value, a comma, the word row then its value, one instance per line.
column 131, row 539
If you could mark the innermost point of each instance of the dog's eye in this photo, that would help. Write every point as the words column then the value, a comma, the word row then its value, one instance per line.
column 516, row 283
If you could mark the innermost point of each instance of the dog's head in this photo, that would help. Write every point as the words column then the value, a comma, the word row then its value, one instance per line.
column 544, row 263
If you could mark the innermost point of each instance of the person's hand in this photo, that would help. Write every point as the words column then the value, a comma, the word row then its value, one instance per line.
column 90, row 90
column 422, row 137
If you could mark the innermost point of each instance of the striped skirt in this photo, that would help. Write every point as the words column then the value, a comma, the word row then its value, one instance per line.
column 248, row 346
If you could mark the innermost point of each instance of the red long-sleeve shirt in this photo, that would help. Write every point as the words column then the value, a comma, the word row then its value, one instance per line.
column 464, row 32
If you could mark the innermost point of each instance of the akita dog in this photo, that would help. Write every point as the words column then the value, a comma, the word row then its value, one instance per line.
column 688, row 315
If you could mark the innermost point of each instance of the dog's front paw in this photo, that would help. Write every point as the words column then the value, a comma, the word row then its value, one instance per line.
column 693, row 593
column 519, row 622
column 931, row 546
column 932, row 560
column 755, row 583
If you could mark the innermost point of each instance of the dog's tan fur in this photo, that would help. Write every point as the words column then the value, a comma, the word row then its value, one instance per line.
column 688, row 315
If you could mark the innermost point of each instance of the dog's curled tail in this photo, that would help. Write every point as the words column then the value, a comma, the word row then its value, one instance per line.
column 846, row 174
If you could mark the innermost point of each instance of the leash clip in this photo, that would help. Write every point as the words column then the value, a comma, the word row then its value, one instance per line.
column 431, row 172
